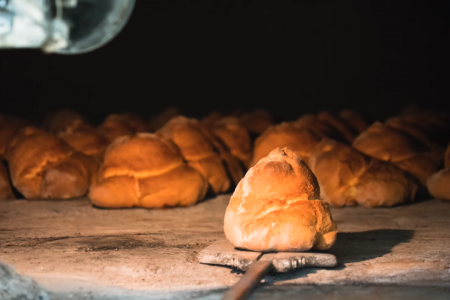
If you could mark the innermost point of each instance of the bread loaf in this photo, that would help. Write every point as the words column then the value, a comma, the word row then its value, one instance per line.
column 9, row 127
column 235, row 137
column 385, row 143
column 197, row 150
column 348, row 177
column 300, row 140
column 43, row 166
column 145, row 170
column 115, row 126
column 275, row 207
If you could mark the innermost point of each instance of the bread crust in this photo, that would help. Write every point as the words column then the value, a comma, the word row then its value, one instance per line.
column 300, row 140
column 145, row 170
column 43, row 166
column 388, row 144
column 198, row 150
column 348, row 177
column 275, row 208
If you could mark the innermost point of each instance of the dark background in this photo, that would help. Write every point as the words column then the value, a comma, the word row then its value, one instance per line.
column 290, row 57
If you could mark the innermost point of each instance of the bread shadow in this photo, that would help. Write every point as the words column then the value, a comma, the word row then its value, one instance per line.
column 354, row 247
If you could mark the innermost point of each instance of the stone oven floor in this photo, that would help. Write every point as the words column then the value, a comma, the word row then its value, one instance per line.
column 77, row 251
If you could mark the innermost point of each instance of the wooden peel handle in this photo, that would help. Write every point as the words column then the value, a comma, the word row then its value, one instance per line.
column 249, row 282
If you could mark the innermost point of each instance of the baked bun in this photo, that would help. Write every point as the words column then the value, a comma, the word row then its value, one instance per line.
column 197, row 150
column 82, row 137
column 235, row 137
column 115, row 126
column 275, row 208
column 347, row 131
column 9, row 127
column 355, row 119
column 145, row 170
column 158, row 121
column 135, row 122
column 348, row 177
column 426, row 137
column 233, row 166
column 436, row 123
column 5, row 187
column 385, row 143
column 86, row 139
column 43, row 166
column 300, row 140
column 257, row 121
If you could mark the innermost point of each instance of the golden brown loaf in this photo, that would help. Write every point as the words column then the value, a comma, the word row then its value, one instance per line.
column 355, row 119
column 5, row 187
column 235, row 137
column 300, row 140
column 257, row 122
column 231, row 163
column 87, row 140
column 385, row 143
column 347, row 131
column 197, row 150
column 275, row 208
column 145, row 170
column 115, row 126
column 43, row 166
column 422, row 135
column 211, row 118
column 348, row 177
column 9, row 127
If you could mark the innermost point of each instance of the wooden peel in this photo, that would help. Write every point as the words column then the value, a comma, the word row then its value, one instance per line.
column 258, row 264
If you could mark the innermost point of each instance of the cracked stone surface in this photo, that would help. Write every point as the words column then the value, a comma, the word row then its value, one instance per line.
column 72, row 247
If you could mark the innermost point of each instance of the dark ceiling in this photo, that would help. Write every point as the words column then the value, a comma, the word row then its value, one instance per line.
column 290, row 57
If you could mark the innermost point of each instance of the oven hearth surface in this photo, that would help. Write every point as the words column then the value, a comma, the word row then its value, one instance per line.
column 76, row 250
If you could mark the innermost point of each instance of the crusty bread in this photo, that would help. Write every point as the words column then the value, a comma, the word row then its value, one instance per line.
column 275, row 208
column 135, row 122
column 257, row 121
column 145, row 170
column 300, row 140
column 355, row 119
column 9, row 126
column 438, row 184
column 114, row 126
column 436, row 123
column 385, row 143
column 234, row 168
column 347, row 131
column 348, row 177
column 5, row 187
column 43, row 166
column 426, row 137
column 197, row 150
column 82, row 137
column 235, row 137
